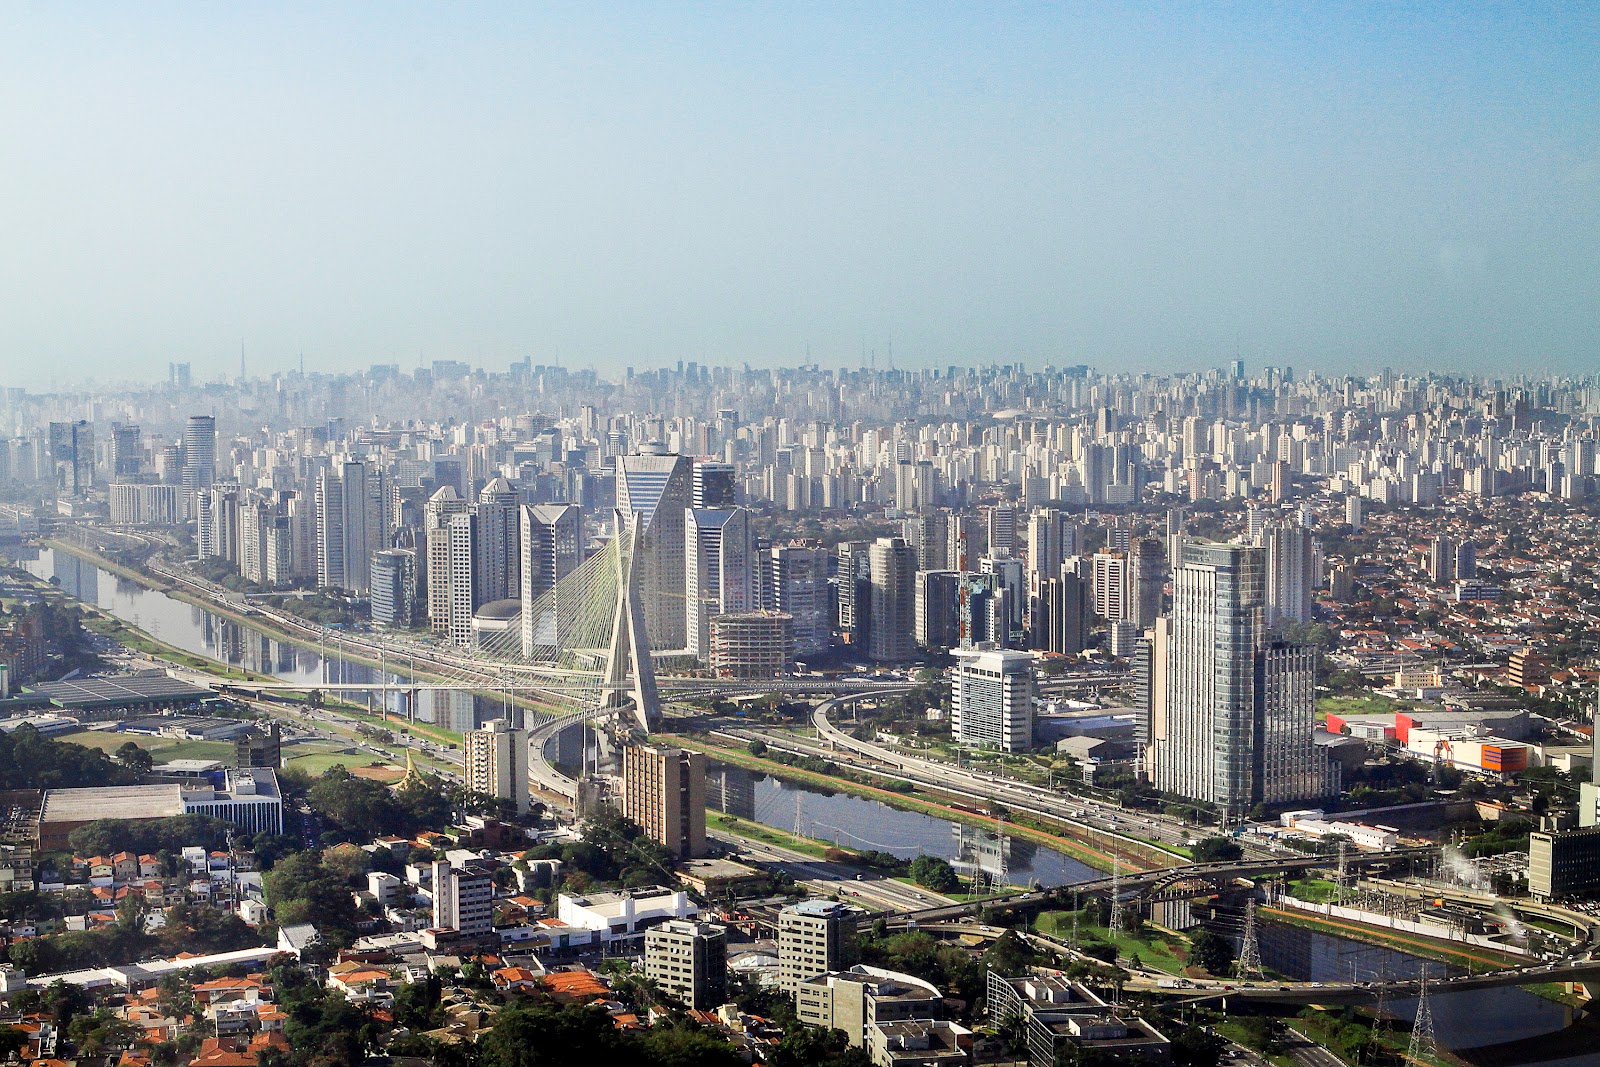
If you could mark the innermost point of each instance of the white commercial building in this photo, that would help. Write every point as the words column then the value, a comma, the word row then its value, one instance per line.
column 249, row 800
column 617, row 916
column 800, row 588
column 720, row 571
column 991, row 699
column 657, row 486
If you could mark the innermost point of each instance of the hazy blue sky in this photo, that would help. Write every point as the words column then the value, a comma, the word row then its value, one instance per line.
column 1154, row 186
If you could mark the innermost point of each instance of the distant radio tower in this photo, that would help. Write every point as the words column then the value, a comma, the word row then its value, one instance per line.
column 1248, row 965
column 1114, row 920
column 1424, row 1046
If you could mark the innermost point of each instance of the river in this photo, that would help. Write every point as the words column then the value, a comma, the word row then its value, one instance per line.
column 1461, row 1020
column 862, row 823
column 194, row 629
column 852, row 822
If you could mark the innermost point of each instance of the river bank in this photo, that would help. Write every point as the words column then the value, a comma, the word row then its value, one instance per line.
column 913, row 802
column 277, row 632
column 1477, row 959
column 101, row 621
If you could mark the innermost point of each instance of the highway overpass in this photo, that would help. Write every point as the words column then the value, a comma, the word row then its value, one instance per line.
column 1584, row 972
column 1150, row 881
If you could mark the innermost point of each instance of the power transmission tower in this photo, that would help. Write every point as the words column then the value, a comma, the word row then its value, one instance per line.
column 1248, row 965
column 1114, row 920
column 1424, row 1046
column 1344, row 866
column 1380, row 1022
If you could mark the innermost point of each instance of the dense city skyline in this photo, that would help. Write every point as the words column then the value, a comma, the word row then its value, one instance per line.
column 1337, row 188
column 527, row 636
column 918, row 535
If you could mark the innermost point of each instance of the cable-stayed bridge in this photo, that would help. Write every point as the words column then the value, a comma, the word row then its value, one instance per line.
column 578, row 648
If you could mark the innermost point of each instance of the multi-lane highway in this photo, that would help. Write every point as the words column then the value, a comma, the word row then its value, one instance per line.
column 1164, row 832
column 1137, row 829
column 1161, row 831
column 1134, row 830
column 870, row 889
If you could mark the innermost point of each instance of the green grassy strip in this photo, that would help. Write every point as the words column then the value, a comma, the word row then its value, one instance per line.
column 905, row 802
column 768, row 835
column 960, row 896
column 1314, row 890
column 358, row 711
column 1156, row 948
column 1478, row 960
column 254, row 622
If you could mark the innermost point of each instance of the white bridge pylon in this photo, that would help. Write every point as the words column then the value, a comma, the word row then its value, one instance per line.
column 582, row 643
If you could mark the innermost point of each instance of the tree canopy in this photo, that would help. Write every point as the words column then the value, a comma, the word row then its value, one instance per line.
column 1213, row 952
column 1216, row 850
column 537, row 1035
column 935, row 873
column 106, row 837
column 29, row 760
column 301, row 890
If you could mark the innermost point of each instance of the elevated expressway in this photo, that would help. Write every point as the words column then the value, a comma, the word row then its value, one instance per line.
column 1154, row 882
column 1105, row 820
column 901, row 910
column 1583, row 972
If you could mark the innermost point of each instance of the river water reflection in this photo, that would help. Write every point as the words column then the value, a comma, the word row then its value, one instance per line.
column 194, row 629
column 861, row 823
column 1461, row 1020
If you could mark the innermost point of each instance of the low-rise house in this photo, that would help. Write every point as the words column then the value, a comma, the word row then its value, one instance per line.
column 235, row 1016
column 251, row 986
column 398, row 847
column 153, row 1024
column 362, row 983
column 238, row 1051
column 465, row 1019
column 516, row 980
column 576, row 986
column 296, row 937
column 717, row 879
column 385, row 888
